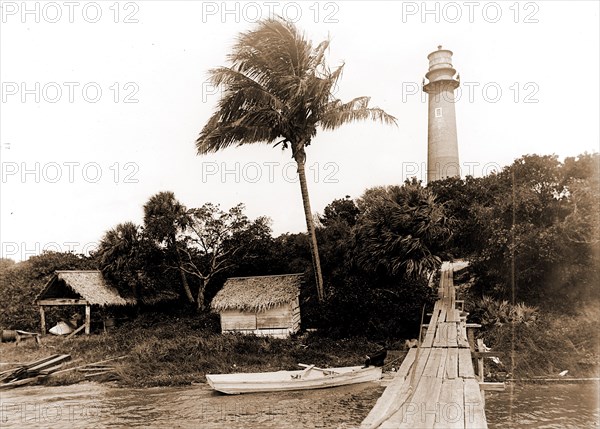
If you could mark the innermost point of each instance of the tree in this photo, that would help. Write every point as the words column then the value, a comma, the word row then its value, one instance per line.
column 279, row 87
column 21, row 282
column 164, row 219
column 210, row 249
column 401, row 230
column 128, row 260
column 340, row 210
column 539, row 216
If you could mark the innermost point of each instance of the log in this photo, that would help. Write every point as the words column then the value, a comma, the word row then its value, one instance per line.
column 96, row 373
column 88, row 364
column 20, row 382
column 47, row 364
column 47, row 371
column 498, row 387
column 72, row 334
column 40, row 361
column 104, row 368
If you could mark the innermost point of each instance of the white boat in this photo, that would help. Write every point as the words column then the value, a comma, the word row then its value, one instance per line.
column 311, row 377
column 61, row 328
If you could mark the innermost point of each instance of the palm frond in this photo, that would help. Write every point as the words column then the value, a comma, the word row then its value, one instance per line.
column 339, row 113
column 278, row 86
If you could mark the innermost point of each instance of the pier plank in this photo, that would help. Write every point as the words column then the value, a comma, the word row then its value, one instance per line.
column 407, row 363
column 433, row 363
column 392, row 401
column 474, row 409
column 451, row 406
column 465, row 364
column 420, row 410
column 452, row 364
column 429, row 336
column 443, row 362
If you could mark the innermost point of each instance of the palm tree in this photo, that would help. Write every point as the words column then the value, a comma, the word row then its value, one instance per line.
column 120, row 257
column 402, row 230
column 278, row 87
column 164, row 217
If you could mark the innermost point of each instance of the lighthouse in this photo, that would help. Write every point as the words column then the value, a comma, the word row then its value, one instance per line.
column 442, row 143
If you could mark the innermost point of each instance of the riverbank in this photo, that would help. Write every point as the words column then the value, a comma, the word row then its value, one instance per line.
column 179, row 350
column 548, row 346
column 176, row 351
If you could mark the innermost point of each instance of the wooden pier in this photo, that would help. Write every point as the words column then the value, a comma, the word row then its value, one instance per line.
column 436, row 386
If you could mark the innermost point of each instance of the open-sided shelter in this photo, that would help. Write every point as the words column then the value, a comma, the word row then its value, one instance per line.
column 84, row 288
column 262, row 305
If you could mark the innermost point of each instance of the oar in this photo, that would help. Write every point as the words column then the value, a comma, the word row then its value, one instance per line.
column 317, row 368
column 307, row 370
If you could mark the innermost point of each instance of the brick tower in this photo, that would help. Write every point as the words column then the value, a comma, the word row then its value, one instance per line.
column 442, row 143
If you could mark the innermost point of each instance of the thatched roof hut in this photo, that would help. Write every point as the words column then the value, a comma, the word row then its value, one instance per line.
column 262, row 305
column 84, row 288
column 83, row 285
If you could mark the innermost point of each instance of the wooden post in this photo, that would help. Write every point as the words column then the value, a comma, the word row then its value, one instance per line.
column 43, row 319
column 87, row 320
column 480, row 370
column 471, row 338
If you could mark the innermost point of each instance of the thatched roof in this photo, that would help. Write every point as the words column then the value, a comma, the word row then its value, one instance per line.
column 257, row 293
column 88, row 285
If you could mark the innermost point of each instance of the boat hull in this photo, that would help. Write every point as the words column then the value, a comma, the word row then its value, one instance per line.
column 234, row 384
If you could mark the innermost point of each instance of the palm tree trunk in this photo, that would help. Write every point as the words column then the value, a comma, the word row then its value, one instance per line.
column 184, row 282
column 300, row 157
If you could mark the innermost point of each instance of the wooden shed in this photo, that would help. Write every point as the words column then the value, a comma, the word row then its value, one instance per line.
column 79, row 288
column 263, row 305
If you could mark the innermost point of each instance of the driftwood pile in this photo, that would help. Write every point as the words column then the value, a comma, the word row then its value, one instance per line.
column 32, row 372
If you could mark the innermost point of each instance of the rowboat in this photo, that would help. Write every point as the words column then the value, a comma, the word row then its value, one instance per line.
column 311, row 377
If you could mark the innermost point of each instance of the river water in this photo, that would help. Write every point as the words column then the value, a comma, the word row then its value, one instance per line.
column 544, row 406
column 90, row 405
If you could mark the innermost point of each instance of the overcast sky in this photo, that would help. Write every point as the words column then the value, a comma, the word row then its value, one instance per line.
column 102, row 102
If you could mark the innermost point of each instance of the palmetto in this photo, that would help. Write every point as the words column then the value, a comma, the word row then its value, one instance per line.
column 278, row 89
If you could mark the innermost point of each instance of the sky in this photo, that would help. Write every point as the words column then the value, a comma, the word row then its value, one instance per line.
column 102, row 102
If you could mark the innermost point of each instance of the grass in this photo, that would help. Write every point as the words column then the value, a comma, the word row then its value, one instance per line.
column 181, row 350
column 554, row 343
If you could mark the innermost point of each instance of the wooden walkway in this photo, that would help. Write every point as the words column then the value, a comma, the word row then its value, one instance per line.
column 436, row 385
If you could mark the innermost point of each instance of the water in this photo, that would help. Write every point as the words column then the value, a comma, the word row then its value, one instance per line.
column 543, row 406
column 99, row 406
column 90, row 405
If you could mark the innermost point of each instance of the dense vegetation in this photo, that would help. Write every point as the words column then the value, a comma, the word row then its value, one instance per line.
column 542, row 214
column 532, row 234
column 378, row 254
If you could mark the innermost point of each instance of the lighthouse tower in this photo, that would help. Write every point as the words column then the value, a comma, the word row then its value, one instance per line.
column 442, row 143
